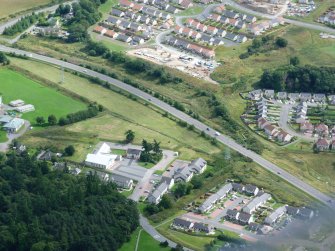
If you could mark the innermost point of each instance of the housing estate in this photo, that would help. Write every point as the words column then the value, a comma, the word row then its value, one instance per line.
column 256, row 203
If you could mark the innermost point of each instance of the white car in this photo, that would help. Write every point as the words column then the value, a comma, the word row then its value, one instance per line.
column 217, row 134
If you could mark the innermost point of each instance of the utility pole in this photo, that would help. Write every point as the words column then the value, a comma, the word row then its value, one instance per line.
column 62, row 75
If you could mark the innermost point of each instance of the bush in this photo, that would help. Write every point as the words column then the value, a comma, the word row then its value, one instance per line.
column 69, row 150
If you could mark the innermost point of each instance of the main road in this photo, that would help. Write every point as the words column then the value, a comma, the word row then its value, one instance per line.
column 327, row 200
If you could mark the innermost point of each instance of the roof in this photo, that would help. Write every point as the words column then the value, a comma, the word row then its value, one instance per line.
column 5, row 119
column 112, row 20
column 237, row 187
column 167, row 180
column 159, row 191
column 182, row 223
column 292, row 210
column 322, row 142
column 119, row 178
column 100, row 159
column 250, row 188
column 257, row 200
column 244, row 217
column 15, row 123
column 254, row 226
column 202, row 227
column 232, row 213
column 116, row 12
column 275, row 215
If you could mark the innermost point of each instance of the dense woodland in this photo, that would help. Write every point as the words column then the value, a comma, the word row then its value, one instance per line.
column 53, row 210
column 300, row 79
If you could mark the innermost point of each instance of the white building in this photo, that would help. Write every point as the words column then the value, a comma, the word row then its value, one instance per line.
column 256, row 203
column 16, row 103
column 102, row 158
column 14, row 125
column 25, row 108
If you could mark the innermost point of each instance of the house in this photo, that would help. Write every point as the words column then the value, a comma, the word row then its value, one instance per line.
column 45, row 155
column 220, row 9
column 201, row 227
column 168, row 180
column 292, row 211
column 221, row 33
column 293, row 96
column 256, row 203
column 305, row 97
column 144, row 20
column 224, row 20
column 211, row 30
column 282, row 95
column 100, row 160
column 20, row 148
column 237, row 187
column 186, row 4
column 240, row 25
column 14, row 125
column 201, row 27
column 322, row 129
column 186, row 32
column 244, row 218
column 130, row 14
column 274, row 22
column 305, row 213
column 99, row 29
column 211, row 200
column 137, row 7
column 183, row 174
column 230, row 14
column 269, row 94
column 233, row 22
column 322, row 145
column 111, row 34
column 117, row 13
column 284, row 136
column 135, row 27
column 172, row 9
column 183, row 224
column 319, row 98
column 156, row 195
column 215, row 17
column 198, row 166
column 250, row 19
column 25, row 108
column 5, row 119
column 16, row 103
column 126, row 3
column 164, row 16
column 124, row 24
column 306, row 127
column 195, row 35
column 274, row 216
column 206, row 39
column 121, row 181
column 270, row 130
column 231, row 36
column 75, row 171
column 113, row 20
column 251, row 190
column 232, row 215
column 218, row 41
column 255, row 29
column 124, row 38
column 254, row 226
column 138, row 40
column 331, row 99
column 255, row 94
column 241, row 39
column 207, row 53
column 133, row 153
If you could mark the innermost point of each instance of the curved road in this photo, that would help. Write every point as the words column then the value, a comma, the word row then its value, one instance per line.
column 327, row 200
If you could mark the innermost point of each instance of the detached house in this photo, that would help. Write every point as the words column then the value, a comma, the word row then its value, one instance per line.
column 117, row 13
column 284, row 136
column 184, row 174
column 322, row 129
column 198, row 166
column 211, row 30
column 270, row 130
column 322, row 145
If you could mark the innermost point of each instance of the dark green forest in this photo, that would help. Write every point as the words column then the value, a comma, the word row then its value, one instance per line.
column 42, row 209
column 300, row 79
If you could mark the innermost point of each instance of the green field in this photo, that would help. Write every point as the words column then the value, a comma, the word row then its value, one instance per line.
column 10, row 7
column 3, row 136
column 46, row 100
column 146, row 242
column 195, row 10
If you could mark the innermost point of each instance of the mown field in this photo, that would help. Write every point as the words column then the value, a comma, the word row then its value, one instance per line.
column 9, row 7
column 46, row 100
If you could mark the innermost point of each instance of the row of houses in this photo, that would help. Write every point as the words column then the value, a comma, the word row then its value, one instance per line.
column 187, row 225
column 323, row 144
column 119, row 36
column 272, row 131
column 211, row 33
column 168, row 4
column 259, row 28
column 119, row 180
column 256, row 202
column 221, row 10
column 183, row 174
column 230, row 20
column 239, row 217
column 191, row 47
column 328, row 18
column 303, row 96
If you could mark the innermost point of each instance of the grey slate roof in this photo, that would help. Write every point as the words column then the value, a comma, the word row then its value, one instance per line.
column 275, row 215
column 182, row 223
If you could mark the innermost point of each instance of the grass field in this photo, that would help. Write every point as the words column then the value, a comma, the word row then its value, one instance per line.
column 3, row 136
column 191, row 11
column 146, row 242
column 46, row 100
column 10, row 7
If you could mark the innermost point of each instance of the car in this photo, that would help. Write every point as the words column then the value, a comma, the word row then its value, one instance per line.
column 207, row 129
column 84, row 70
column 278, row 172
column 217, row 134
column 149, row 99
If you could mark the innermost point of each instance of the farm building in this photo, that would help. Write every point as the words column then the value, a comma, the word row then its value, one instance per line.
column 14, row 125
column 16, row 103
column 25, row 108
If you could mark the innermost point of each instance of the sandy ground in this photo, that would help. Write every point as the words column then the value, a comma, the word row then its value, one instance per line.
column 162, row 57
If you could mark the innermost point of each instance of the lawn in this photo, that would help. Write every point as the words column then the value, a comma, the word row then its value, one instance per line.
column 146, row 242
column 3, row 136
column 46, row 100
column 146, row 164
column 119, row 152
column 10, row 7
column 195, row 10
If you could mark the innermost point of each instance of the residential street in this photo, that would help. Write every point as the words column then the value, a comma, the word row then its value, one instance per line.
column 327, row 200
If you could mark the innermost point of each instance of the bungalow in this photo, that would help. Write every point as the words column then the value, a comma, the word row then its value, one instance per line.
column 201, row 227
column 244, row 218
column 256, row 203
column 156, row 195
column 293, row 96
column 306, row 127
column 230, row 36
column 221, row 33
column 282, row 95
column 195, row 35
column 135, row 27
column 14, row 125
column 144, row 20
column 206, row 39
column 274, row 216
column 241, row 39
column 270, row 130
column 124, row 38
column 183, row 174
column 208, row 53
column 269, row 94
column 187, row 32
column 322, row 129
column 124, row 24
column 138, row 40
column 233, row 22
column 284, row 136
column 117, row 13
column 172, row 9
column 255, row 94
column 237, row 187
column 186, row 4
column 169, row 181
column 148, row 11
column 5, row 119
column 240, row 25
column 250, row 19
column 232, row 215
column 211, row 30
column 305, row 97
column 111, row 34
column 322, row 145
column 319, row 98
column 121, row 181
column 305, row 213
column 224, row 20
column 137, row 7
column 218, row 41
column 133, row 153
column 164, row 16
column 201, row 27
column 16, row 103
column 255, row 29
column 99, row 29
column 190, row 21
column 198, row 165
column 215, row 17
column 220, row 9
column 126, row 3
column 130, row 14
column 183, row 224
column 251, row 190
column 230, row 14
column 113, row 20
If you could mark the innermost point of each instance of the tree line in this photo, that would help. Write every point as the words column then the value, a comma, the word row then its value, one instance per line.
column 297, row 78
column 23, row 24
column 42, row 209
column 3, row 59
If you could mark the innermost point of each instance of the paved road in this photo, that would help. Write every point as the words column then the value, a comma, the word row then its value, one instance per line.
column 197, row 124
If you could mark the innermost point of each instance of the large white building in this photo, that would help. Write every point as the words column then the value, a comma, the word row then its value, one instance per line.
column 25, row 108
column 14, row 125
column 101, row 158
column 16, row 103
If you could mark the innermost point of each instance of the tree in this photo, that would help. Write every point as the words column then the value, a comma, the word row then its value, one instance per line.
column 40, row 120
column 196, row 182
column 164, row 244
column 130, row 136
column 294, row 61
column 180, row 189
column 281, row 42
column 52, row 120
column 69, row 150
column 3, row 59
column 166, row 202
